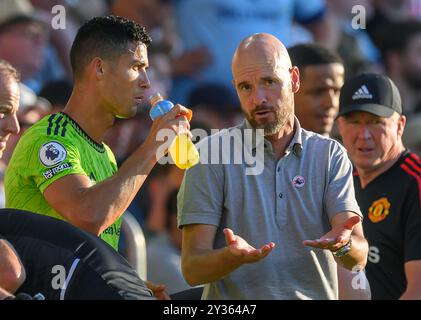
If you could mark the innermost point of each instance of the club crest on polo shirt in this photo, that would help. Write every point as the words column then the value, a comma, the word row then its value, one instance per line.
column 298, row 181
column 379, row 210
column 52, row 153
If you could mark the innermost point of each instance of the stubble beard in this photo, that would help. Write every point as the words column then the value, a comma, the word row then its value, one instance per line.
column 271, row 127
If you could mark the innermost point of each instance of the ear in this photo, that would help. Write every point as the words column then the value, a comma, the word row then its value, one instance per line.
column 295, row 79
column 401, row 125
column 97, row 65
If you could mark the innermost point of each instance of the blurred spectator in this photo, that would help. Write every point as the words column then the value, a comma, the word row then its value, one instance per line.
column 218, row 25
column 164, row 252
column 148, row 206
column 123, row 138
column 164, row 180
column 391, row 11
column 23, row 37
column 321, row 78
column 152, row 14
column 214, row 105
column 401, row 47
column 353, row 44
column 57, row 93
column 77, row 12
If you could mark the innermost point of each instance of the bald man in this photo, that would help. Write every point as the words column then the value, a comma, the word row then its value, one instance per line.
column 302, row 200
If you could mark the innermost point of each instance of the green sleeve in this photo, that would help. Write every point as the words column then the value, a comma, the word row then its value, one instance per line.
column 50, row 159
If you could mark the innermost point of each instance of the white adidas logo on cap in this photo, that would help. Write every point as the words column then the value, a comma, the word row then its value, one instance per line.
column 362, row 93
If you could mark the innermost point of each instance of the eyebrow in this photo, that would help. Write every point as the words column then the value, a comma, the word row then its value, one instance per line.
column 268, row 78
column 138, row 61
column 242, row 83
column 4, row 108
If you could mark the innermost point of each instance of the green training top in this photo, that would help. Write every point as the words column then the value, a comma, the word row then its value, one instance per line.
column 53, row 148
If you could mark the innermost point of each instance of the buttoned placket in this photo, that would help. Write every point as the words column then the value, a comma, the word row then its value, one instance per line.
column 281, row 174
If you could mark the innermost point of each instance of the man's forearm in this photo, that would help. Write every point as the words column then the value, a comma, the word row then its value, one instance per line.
column 205, row 266
column 106, row 201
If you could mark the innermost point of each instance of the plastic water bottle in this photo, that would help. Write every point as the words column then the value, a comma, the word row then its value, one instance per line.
column 182, row 150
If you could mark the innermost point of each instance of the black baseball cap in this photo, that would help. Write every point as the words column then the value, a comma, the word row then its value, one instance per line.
column 370, row 92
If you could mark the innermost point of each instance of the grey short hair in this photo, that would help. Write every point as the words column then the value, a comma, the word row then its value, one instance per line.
column 7, row 69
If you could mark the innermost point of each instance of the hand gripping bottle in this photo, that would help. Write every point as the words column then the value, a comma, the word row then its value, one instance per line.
column 182, row 150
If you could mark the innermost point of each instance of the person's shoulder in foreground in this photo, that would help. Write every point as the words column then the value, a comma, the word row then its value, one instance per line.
column 53, row 251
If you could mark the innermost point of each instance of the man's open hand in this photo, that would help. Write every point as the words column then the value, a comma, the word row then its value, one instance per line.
column 240, row 248
column 335, row 238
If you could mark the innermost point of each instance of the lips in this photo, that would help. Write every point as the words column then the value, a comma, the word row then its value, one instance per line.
column 262, row 112
column 365, row 149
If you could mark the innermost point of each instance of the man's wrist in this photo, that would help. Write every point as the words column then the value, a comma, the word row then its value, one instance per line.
column 344, row 250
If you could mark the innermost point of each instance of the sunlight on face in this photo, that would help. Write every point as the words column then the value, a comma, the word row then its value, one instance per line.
column 262, row 78
column 371, row 141
column 127, row 81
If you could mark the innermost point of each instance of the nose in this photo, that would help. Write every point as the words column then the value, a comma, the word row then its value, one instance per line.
column 144, row 80
column 11, row 124
column 364, row 132
column 260, row 97
column 330, row 100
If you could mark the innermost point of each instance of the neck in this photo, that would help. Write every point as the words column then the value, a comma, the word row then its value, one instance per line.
column 282, row 139
column 368, row 175
column 86, row 109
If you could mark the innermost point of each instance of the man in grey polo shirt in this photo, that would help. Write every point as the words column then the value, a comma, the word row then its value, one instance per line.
column 303, row 190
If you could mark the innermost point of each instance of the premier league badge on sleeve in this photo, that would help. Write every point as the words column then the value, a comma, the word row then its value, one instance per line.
column 52, row 153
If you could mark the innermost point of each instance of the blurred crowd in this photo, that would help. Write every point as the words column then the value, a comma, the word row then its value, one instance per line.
column 190, row 57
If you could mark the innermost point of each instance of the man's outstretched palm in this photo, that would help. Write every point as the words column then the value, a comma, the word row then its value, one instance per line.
column 335, row 238
column 240, row 247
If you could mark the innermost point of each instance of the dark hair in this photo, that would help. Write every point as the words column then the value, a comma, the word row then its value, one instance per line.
column 7, row 69
column 308, row 54
column 104, row 37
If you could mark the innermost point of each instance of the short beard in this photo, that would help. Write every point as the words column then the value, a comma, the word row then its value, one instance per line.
column 274, row 127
